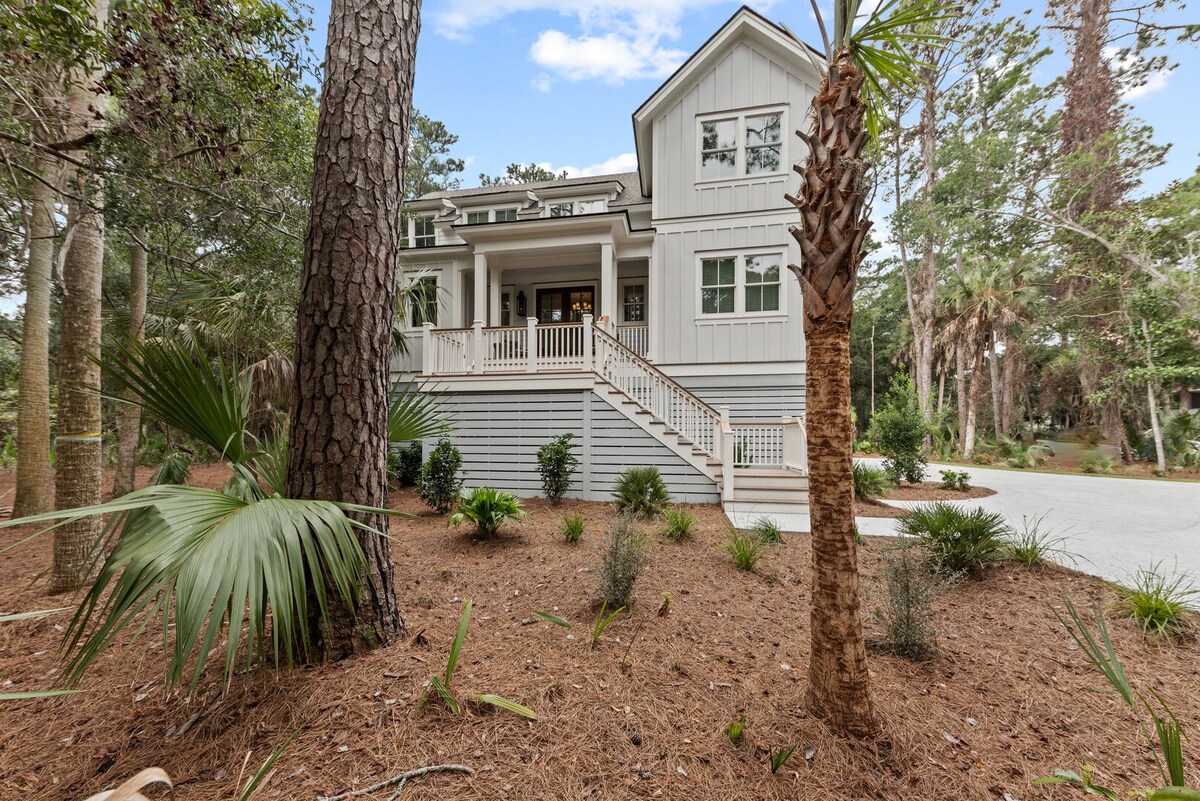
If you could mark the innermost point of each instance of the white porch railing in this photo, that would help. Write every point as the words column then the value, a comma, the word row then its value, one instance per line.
column 635, row 337
column 586, row 347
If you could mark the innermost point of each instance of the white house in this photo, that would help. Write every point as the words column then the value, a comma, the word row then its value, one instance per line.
column 650, row 313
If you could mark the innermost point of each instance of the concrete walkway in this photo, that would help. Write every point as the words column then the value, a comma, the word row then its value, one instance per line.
column 1113, row 525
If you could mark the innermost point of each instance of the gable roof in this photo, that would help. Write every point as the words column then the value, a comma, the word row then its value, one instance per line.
column 627, row 185
column 745, row 24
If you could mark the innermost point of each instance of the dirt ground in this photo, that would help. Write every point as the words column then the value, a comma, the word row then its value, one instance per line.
column 921, row 491
column 1008, row 699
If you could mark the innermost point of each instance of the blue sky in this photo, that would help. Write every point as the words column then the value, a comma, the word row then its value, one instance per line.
column 555, row 81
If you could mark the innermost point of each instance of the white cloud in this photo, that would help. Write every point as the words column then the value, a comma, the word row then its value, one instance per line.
column 541, row 83
column 617, row 40
column 1154, row 82
column 624, row 162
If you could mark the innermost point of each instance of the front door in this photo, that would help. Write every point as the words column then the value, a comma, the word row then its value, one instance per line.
column 565, row 304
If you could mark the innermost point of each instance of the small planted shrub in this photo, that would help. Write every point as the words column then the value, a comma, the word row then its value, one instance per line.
column 898, row 431
column 571, row 528
column 404, row 464
column 869, row 482
column 745, row 550
column 1034, row 544
column 767, row 531
column 603, row 618
column 488, row 509
column 1161, row 604
column 557, row 463
column 736, row 729
column 957, row 542
column 621, row 561
column 1025, row 458
column 1103, row 463
column 640, row 491
column 441, row 479
column 678, row 523
column 959, row 480
column 907, row 614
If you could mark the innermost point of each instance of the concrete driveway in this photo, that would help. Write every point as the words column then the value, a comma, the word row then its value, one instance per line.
column 1113, row 525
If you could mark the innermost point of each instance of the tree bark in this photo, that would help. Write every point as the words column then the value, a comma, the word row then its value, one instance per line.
column 960, row 390
column 129, row 414
column 925, row 283
column 339, row 421
column 997, row 399
column 974, row 390
column 79, row 448
column 1008, row 383
column 35, row 480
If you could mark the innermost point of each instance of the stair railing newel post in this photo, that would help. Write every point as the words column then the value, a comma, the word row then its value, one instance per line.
column 587, row 343
column 727, row 454
column 428, row 363
column 477, row 346
column 801, row 425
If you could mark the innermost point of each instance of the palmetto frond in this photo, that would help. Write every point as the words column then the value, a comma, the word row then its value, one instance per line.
column 212, row 564
column 415, row 415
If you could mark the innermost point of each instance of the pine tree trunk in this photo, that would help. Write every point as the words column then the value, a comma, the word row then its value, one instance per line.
column 925, row 285
column 834, row 225
column 339, row 421
column 129, row 420
column 974, row 390
column 79, row 449
column 35, row 480
column 960, row 390
column 997, row 401
column 1008, row 382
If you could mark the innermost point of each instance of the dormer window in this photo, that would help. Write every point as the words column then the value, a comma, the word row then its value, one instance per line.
column 562, row 209
column 589, row 207
column 741, row 144
column 423, row 233
column 506, row 215
column 477, row 217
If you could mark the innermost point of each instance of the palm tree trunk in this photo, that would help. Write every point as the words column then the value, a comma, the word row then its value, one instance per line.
column 834, row 225
column 79, row 448
column 997, row 401
column 1008, row 382
column 960, row 389
column 339, row 421
column 941, row 404
column 129, row 423
column 974, row 390
column 34, row 478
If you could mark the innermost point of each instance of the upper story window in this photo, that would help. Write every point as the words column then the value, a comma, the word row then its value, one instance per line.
column 422, row 301
column 423, row 233
column 477, row 217
column 740, row 284
column 589, row 207
column 741, row 144
column 562, row 209
column 506, row 215
column 633, row 303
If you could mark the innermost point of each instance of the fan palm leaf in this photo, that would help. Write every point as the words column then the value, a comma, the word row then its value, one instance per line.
column 414, row 414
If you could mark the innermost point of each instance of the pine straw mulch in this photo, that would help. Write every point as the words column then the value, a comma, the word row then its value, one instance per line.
column 1008, row 699
column 921, row 491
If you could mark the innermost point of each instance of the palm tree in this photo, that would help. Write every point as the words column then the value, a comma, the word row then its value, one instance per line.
column 864, row 57
column 203, row 558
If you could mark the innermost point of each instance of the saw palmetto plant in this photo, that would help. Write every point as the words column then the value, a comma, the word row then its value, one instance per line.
column 868, row 57
column 213, row 563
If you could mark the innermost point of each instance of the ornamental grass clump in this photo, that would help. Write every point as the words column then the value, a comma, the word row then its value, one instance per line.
column 1161, row 604
column 678, row 524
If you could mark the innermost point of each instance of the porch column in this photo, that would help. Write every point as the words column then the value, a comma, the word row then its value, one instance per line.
column 651, row 312
column 480, row 295
column 494, row 297
column 608, row 283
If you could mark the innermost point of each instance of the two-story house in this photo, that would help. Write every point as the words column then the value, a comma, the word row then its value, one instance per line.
column 650, row 313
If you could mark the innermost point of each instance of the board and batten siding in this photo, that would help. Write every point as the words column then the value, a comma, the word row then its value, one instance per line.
column 499, row 434
column 746, row 78
column 751, row 398
column 684, row 336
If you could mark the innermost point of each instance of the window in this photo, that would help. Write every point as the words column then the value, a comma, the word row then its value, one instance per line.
column 422, row 301
column 423, row 233
column 506, row 307
column 718, row 279
column 746, row 144
column 589, row 207
column 633, row 303
column 506, row 215
column 718, row 149
column 562, row 210
column 741, row 284
column 476, row 217
column 762, row 283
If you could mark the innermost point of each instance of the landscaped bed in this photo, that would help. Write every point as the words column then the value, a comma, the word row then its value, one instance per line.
column 921, row 491
column 1008, row 699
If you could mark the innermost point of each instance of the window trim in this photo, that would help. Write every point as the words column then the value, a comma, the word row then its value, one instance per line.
column 644, row 280
column 434, row 276
column 739, row 117
column 487, row 216
column 739, row 277
column 412, row 232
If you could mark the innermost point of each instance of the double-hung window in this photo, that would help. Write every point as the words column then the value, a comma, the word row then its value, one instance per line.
column 740, row 284
column 562, row 209
column 423, row 233
column 423, row 301
column 750, row 143
column 476, row 217
column 633, row 303
column 506, row 215
column 589, row 207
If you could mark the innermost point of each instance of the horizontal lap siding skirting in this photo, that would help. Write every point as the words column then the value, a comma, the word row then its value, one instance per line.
column 499, row 434
column 751, row 398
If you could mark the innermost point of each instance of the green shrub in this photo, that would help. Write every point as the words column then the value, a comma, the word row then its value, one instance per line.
column 440, row 479
column 746, row 551
column 571, row 528
column 679, row 523
column 1161, row 605
column 640, row 491
column 957, row 542
column 487, row 508
column 404, row 464
column 556, row 463
column 956, row 480
column 907, row 615
column 174, row 469
column 621, row 561
column 898, row 431
column 1022, row 457
column 1102, row 463
column 1033, row 545
column 767, row 531
column 869, row 482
